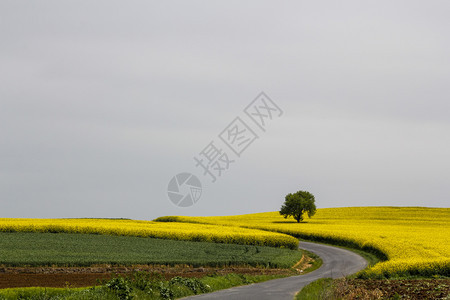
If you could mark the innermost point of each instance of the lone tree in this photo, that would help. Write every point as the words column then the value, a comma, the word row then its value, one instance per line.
column 297, row 204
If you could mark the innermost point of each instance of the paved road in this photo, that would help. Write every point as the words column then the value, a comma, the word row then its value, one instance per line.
column 337, row 263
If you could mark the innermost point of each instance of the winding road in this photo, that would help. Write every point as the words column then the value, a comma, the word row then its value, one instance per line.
column 337, row 262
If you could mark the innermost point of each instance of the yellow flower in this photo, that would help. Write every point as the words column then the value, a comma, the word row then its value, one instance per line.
column 414, row 240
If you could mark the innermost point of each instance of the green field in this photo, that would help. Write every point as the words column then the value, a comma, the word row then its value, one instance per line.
column 63, row 249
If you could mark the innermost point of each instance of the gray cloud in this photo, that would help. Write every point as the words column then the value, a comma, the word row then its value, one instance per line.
column 102, row 103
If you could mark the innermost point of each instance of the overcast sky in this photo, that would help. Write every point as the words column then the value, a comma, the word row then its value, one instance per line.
column 103, row 102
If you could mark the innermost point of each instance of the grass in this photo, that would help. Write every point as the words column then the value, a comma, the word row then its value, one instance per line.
column 139, row 286
column 64, row 249
column 315, row 290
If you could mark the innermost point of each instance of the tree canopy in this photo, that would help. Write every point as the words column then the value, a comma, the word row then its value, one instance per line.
column 297, row 204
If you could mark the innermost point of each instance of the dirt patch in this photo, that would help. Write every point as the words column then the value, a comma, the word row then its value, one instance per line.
column 88, row 276
column 305, row 263
column 392, row 289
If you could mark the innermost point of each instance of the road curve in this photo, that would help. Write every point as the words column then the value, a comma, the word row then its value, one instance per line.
column 337, row 262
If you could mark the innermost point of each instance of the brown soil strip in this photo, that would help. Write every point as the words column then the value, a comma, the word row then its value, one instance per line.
column 55, row 276
column 89, row 276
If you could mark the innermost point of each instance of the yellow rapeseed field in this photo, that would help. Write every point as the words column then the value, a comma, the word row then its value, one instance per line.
column 414, row 240
column 173, row 231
